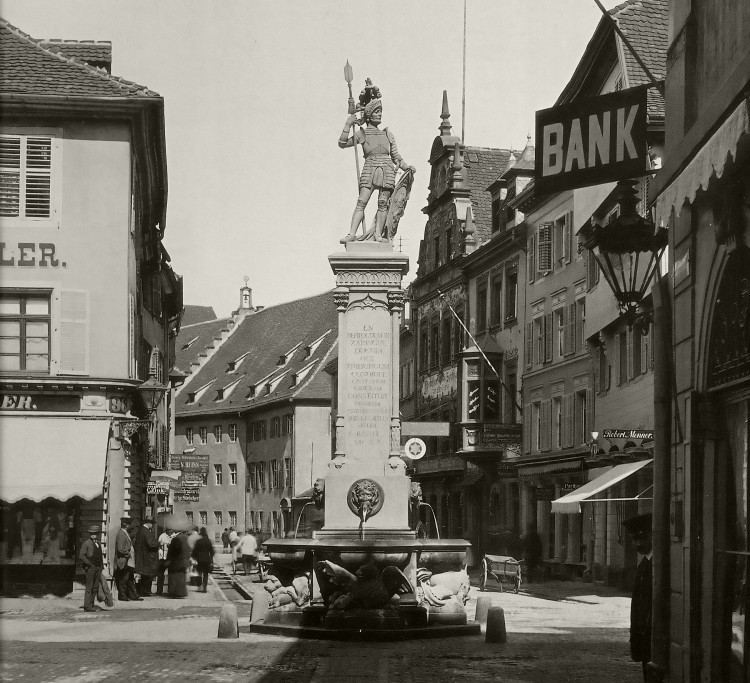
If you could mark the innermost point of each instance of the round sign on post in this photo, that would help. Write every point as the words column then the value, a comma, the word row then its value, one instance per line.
column 415, row 448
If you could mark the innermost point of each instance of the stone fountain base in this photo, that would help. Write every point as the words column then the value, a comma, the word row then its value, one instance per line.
column 405, row 618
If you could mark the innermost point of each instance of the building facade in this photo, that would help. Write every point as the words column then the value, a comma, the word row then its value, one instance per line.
column 89, row 305
column 702, row 574
column 255, row 414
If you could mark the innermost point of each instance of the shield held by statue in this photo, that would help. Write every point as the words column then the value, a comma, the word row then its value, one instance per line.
column 398, row 203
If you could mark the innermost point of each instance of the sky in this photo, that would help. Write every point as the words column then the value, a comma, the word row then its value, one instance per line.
column 255, row 100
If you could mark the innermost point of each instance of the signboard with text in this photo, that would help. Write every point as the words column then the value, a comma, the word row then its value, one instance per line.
column 188, row 494
column 591, row 141
column 647, row 434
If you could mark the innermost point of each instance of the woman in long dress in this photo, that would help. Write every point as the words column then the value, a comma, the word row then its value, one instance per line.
column 178, row 562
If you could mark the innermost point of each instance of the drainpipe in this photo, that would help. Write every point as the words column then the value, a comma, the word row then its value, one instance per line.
column 660, row 635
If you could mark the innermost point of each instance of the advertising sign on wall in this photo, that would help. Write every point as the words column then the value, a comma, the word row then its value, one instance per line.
column 591, row 141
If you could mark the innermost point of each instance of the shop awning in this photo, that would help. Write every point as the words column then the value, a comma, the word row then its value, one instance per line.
column 571, row 503
column 709, row 161
column 46, row 457
column 471, row 477
column 550, row 468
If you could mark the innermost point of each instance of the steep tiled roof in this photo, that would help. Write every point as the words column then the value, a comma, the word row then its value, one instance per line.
column 644, row 23
column 194, row 340
column 483, row 166
column 304, row 331
column 28, row 68
column 197, row 314
column 89, row 51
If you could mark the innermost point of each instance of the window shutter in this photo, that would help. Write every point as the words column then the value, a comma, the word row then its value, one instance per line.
column 567, row 418
column 589, row 414
column 571, row 328
column 74, row 335
column 10, row 176
column 529, row 345
column 527, row 428
column 645, row 351
column 568, row 237
column 544, row 248
column 531, row 258
column 630, row 351
column 546, row 425
column 580, row 312
column 548, row 338
column 131, row 336
column 38, row 179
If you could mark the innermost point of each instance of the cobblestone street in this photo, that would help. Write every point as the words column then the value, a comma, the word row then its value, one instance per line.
column 556, row 631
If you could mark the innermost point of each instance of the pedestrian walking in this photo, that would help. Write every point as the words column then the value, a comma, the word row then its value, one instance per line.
column 203, row 554
column 93, row 561
column 192, row 537
column 247, row 551
column 164, row 540
column 124, row 563
column 178, row 562
column 639, row 530
column 234, row 539
column 225, row 538
column 532, row 552
column 146, row 556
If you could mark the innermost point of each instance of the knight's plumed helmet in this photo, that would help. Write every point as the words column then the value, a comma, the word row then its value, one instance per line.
column 369, row 99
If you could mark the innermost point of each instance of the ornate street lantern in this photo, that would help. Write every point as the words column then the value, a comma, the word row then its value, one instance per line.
column 152, row 393
column 627, row 250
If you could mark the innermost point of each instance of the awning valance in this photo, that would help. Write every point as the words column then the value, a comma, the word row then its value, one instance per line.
column 46, row 457
column 571, row 503
column 709, row 161
column 471, row 477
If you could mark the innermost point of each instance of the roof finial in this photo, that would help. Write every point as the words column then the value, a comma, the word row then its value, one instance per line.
column 246, row 279
column 457, row 178
column 445, row 126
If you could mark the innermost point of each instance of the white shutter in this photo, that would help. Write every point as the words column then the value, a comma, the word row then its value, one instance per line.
column 74, row 333
column 544, row 248
column 531, row 258
column 10, row 176
column 567, row 237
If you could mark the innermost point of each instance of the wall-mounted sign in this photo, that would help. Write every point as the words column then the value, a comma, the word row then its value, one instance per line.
column 415, row 448
column 20, row 403
column 29, row 254
column 153, row 487
column 194, row 462
column 499, row 434
column 191, row 495
column 647, row 434
column 545, row 492
column 591, row 141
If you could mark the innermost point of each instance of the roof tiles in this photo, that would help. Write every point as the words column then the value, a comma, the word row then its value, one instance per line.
column 29, row 68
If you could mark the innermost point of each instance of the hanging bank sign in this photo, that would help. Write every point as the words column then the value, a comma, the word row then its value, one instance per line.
column 591, row 141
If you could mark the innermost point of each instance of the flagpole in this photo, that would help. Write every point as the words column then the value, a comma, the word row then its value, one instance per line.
column 479, row 348
column 463, row 93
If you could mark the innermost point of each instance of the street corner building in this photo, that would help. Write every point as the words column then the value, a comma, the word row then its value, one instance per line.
column 253, row 417
column 89, row 304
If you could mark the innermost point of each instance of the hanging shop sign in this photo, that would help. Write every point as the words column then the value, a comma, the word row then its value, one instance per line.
column 501, row 434
column 415, row 448
column 545, row 492
column 153, row 487
column 591, row 141
column 647, row 434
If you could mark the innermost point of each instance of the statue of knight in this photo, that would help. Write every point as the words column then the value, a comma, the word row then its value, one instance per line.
column 379, row 172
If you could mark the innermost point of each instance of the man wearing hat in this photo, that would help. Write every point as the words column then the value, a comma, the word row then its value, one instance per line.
column 124, row 564
column 146, row 556
column 639, row 530
column 93, row 560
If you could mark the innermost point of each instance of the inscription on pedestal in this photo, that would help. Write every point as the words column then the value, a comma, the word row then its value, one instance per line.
column 368, row 371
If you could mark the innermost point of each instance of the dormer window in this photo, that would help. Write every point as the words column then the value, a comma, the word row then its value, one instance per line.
column 195, row 396
column 282, row 361
column 251, row 392
column 310, row 350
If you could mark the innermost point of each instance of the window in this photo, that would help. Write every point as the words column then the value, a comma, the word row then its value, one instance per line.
column 482, row 393
column 252, row 477
column 217, row 433
column 448, row 242
column 557, row 422
column 204, row 517
column 287, row 472
column 538, row 351
column 233, row 518
column 274, row 474
column 218, row 517
column 560, row 324
column 203, row 433
column 434, row 339
column 482, row 306
column 496, row 299
column 580, row 322
column 536, row 422
column 603, row 369
column 24, row 332
column 436, row 247
column 580, row 430
column 275, row 427
column 289, row 424
column 592, row 270
column 445, row 338
column 544, row 248
column 458, row 332
column 622, row 350
column 233, row 433
column 496, row 214
column 233, row 474
column 511, row 293
column 189, row 515
column 261, row 469
column 189, row 435
column 423, row 346
column 218, row 474
column 26, row 177
column 510, row 414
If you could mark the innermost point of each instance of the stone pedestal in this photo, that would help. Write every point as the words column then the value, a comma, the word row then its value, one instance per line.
column 366, row 464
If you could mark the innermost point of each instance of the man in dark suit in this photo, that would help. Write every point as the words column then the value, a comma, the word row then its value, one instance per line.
column 124, row 563
column 639, row 530
column 146, row 556
column 92, row 558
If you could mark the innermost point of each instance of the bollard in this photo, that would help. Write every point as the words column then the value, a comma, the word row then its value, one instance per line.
column 484, row 602
column 228, row 627
column 495, row 632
